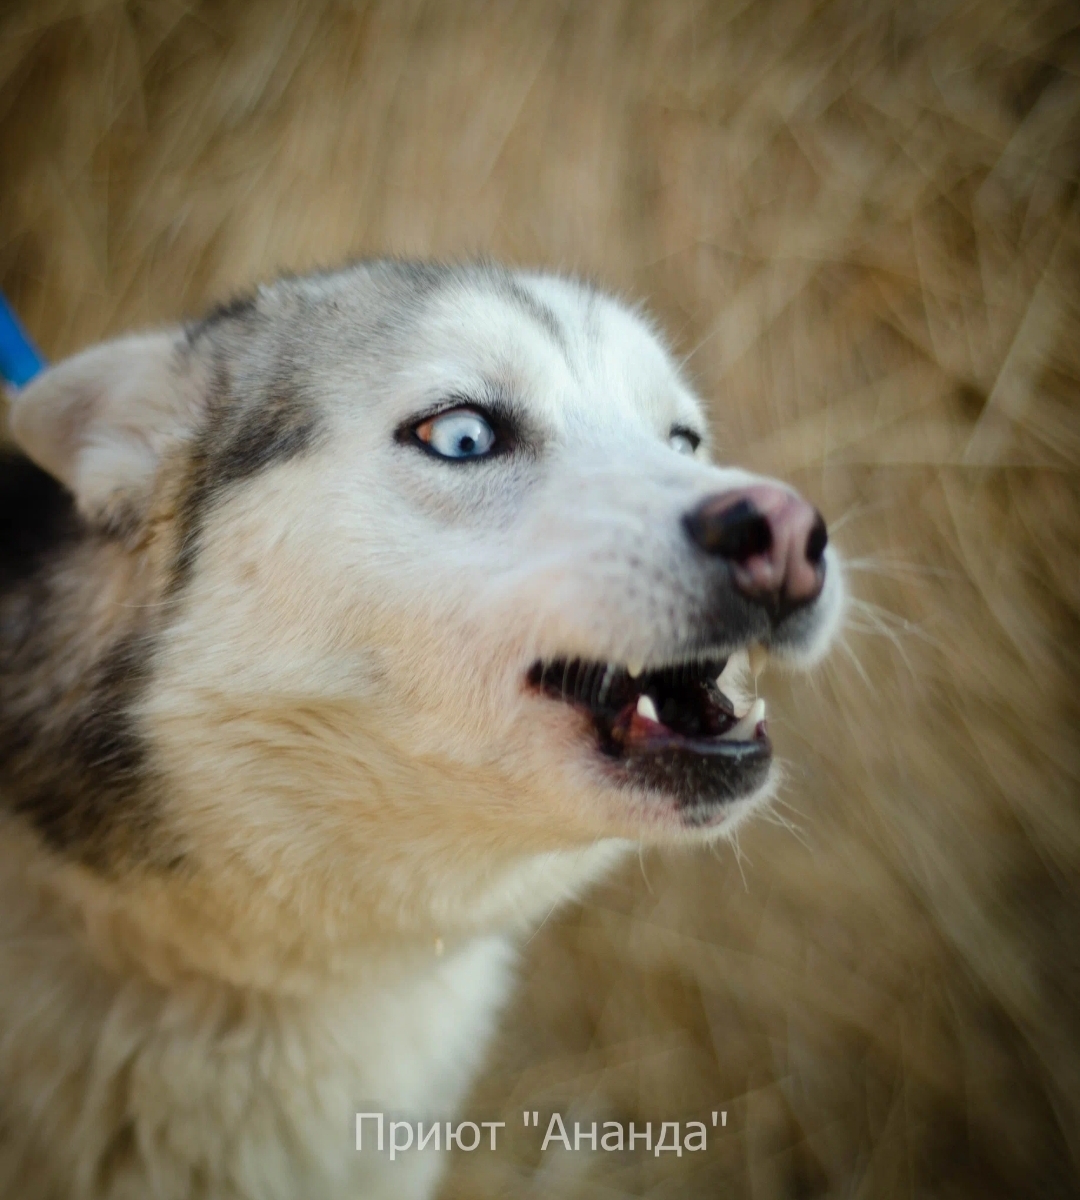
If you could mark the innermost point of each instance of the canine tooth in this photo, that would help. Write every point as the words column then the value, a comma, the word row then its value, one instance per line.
column 635, row 667
column 647, row 709
column 743, row 730
column 757, row 656
column 733, row 668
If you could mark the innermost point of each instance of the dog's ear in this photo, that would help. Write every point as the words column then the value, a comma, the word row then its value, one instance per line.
column 100, row 422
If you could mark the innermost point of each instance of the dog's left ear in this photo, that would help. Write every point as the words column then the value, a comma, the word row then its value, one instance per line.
column 102, row 421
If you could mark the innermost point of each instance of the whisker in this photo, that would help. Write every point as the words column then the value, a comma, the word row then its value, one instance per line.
column 771, row 817
column 856, row 510
column 893, row 622
column 880, row 629
column 883, row 566
column 733, row 839
column 641, row 864
column 846, row 648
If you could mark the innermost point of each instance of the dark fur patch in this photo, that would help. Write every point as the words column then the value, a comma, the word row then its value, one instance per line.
column 540, row 312
column 72, row 761
column 239, row 308
column 274, row 432
column 80, row 775
column 37, row 515
column 238, row 441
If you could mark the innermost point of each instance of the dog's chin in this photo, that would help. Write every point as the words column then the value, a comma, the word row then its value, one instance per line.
column 670, row 738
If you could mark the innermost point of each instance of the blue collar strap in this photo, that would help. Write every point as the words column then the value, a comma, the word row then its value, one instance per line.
column 19, row 357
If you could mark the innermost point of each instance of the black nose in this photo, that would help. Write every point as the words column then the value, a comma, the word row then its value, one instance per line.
column 774, row 541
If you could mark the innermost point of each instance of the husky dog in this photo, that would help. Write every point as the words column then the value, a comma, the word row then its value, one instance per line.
column 344, row 634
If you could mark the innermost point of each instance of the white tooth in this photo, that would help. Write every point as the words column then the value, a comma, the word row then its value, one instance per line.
column 744, row 729
column 757, row 657
column 635, row 667
column 733, row 668
column 647, row 709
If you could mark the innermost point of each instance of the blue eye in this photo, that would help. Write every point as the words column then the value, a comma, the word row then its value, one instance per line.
column 459, row 433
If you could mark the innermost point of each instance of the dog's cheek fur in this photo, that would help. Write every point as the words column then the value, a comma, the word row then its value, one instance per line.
column 394, row 680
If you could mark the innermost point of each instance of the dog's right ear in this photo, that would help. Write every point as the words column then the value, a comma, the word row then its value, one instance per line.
column 101, row 422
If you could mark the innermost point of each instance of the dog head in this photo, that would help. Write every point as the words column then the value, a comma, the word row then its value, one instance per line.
column 436, row 568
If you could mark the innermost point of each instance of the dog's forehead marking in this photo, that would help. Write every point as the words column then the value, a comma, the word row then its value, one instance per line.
column 617, row 354
column 537, row 309
column 574, row 356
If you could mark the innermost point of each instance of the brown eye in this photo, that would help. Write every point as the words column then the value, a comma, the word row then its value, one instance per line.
column 458, row 434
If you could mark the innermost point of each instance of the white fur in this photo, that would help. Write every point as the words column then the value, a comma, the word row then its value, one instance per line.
column 378, row 807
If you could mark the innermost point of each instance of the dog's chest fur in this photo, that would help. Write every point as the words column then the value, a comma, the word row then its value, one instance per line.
column 198, row 1090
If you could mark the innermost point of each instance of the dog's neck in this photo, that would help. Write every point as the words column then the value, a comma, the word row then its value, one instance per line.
column 172, row 929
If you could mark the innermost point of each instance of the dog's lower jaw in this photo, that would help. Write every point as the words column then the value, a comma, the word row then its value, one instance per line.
column 167, row 1078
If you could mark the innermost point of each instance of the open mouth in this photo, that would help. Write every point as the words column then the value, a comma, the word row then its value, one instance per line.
column 672, row 728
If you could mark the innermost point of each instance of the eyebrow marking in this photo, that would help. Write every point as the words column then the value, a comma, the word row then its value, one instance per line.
column 540, row 312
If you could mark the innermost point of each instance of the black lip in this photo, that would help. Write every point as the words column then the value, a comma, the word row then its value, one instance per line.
column 683, row 756
column 701, row 784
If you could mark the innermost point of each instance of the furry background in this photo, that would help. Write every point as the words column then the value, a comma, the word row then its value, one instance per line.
column 859, row 221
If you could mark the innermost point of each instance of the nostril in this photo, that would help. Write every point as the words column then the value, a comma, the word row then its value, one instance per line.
column 743, row 532
column 737, row 531
column 816, row 541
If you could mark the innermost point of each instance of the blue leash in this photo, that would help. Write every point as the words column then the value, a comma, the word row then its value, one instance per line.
column 20, row 359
